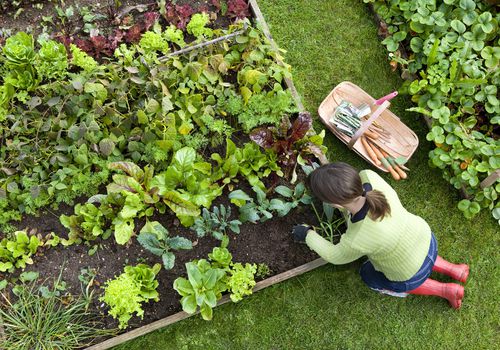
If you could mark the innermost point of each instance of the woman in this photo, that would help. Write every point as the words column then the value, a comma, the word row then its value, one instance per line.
column 401, row 249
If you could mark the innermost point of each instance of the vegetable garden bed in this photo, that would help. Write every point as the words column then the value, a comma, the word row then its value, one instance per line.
column 133, row 138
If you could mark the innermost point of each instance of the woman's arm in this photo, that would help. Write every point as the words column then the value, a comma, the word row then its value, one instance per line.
column 341, row 253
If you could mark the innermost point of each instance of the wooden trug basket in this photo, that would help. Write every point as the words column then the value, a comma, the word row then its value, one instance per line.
column 402, row 141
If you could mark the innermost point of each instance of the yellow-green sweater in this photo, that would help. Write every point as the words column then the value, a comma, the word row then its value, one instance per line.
column 396, row 246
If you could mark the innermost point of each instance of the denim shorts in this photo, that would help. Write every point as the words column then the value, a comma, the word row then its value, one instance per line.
column 377, row 280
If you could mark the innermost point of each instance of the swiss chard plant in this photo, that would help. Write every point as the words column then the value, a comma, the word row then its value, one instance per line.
column 248, row 161
column 290, row 141
column 88, row 223
column 154, row 237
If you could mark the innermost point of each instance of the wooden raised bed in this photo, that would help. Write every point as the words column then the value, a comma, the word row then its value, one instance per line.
column 122, row 338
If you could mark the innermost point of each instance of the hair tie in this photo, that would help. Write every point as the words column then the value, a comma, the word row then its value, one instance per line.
column 364, row 194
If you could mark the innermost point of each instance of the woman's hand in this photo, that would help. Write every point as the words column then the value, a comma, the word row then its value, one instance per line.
column 299, row 232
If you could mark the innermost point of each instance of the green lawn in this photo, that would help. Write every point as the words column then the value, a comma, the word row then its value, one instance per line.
column 330, row 308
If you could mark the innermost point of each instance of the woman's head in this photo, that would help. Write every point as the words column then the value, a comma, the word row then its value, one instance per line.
column 340, row 184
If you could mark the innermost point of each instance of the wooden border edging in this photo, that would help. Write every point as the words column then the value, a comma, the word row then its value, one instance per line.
column 183, row 315
column 265, row 28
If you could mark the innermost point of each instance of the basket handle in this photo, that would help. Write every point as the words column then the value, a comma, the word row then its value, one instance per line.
column 367, row 124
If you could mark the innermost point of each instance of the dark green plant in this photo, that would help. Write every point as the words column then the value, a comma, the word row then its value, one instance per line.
column 154, row 237
column 250, row 210
column 216, row 222
column 292, row 198
column 453, row 66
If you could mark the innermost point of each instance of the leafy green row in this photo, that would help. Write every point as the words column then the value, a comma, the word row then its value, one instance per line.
column 63, row 117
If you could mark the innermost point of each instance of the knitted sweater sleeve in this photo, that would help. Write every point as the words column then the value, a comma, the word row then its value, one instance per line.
column 341, row 253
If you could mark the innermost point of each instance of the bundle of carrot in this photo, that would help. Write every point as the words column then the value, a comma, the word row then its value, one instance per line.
column 381, row 157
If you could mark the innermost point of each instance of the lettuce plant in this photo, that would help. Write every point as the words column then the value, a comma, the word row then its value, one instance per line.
column 202, row 288
column 52, row 60
column 16, row 250
column 88, row 223
column 126, row 293
column 241, row 280
column 207, row 280
column 197, row 26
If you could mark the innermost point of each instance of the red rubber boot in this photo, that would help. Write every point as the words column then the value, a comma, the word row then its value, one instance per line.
column 458, row 272
column 451, row 291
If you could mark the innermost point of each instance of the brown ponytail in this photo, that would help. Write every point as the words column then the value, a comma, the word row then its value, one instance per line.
column 339, row 183
column 379, row 207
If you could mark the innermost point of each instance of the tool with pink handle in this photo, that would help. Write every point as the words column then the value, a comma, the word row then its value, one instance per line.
column 386, row 98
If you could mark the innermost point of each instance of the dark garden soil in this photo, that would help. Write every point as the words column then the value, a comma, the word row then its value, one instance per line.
column 269, row 243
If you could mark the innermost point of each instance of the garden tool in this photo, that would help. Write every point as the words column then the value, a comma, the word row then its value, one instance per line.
column 393, row 163
column 385, row 163
column 453, row 292
column 386, row 98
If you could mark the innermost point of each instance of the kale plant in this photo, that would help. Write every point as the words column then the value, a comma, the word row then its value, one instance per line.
column 216, row 222
column 154, row 237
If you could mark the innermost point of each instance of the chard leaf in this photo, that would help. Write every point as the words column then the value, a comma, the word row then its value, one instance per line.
column 184, row 159
column 300, row 127
column 123, row 230
column 179, row 205
column 263, row 137
column 128, row 167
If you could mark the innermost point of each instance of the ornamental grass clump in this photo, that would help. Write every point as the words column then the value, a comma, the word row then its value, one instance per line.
column 39, row 322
